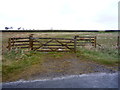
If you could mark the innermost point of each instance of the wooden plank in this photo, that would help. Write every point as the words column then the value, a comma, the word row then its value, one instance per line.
column 20, row 44
column 54, row 48
column 84, row 36
column 21, row 47
column 52, row 45
column 85, row 39
column 61, row 45
column 19, row 41
column 53, row 51
column 20, row 38
column 54, row 38
column 84, row 42
column 55, row 41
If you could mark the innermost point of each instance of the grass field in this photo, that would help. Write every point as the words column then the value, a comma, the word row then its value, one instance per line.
column 17, row 63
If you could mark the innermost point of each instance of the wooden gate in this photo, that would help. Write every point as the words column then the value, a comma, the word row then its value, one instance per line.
column 42, row 44
column 50, row 44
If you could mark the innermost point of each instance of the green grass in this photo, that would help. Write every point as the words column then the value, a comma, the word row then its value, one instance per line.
column 98, row 56
column 13, row 62
column 17, row 61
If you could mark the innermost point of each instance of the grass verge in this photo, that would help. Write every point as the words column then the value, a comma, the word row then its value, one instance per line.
column 98, row 56
column 19, row 64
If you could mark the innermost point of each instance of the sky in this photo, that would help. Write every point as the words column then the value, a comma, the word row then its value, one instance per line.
column 59, row 14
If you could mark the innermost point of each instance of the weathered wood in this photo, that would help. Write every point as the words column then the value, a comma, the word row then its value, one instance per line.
column 20, row 45
column 20, row 38
column 75, row 43
column 95, row 41
column 20, row 41
column 44, row 44
column 86, row 40
column 63, row 44
column 55, row 41
column 53, row 51
column 118, row 42
column 51, row 44
column 54, row 38
column 9, row 44
column 55, row 48
column 31, row 42
column 84, row 36
column 12, row 44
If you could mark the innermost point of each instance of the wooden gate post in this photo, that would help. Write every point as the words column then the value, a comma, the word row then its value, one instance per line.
column 9, row 44
column 75, row 43
column 95, row 41
column 118, row 42
column 31, row 41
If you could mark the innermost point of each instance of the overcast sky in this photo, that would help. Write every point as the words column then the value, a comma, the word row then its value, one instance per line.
column 59, row 14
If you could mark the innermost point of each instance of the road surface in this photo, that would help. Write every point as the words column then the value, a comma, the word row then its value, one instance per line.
column 94, row 80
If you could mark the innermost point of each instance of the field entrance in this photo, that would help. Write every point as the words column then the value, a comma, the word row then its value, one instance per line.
column 45, row 44
column 53, row 44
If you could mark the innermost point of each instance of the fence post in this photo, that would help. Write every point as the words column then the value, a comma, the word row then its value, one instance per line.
column 95, row 41
column 118, row 42
column 31, row 41
column 9, row 44
column 75, row 43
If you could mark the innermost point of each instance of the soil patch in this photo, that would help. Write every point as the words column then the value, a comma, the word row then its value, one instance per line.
column 72, row 65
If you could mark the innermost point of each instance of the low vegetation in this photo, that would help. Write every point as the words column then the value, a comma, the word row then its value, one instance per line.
column 18, row 64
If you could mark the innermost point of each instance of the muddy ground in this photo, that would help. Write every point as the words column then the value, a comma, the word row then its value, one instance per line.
column 52, row 68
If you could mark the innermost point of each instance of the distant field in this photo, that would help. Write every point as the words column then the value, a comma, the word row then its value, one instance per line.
column 16, row 61
column 104, row 39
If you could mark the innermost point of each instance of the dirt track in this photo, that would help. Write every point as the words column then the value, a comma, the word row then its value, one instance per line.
column 72, row 66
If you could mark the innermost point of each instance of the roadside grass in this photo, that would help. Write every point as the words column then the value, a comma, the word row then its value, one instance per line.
column 14, row 63
column 102, row 57
column 18, row 64
column 25, row 64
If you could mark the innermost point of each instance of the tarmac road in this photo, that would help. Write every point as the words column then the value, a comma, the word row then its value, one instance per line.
column 94, row 80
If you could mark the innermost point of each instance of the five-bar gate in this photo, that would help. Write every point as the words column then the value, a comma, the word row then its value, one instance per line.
column 50, row 44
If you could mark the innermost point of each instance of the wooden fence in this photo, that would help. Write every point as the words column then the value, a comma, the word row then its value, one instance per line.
column 50, row 44
column 85, row 40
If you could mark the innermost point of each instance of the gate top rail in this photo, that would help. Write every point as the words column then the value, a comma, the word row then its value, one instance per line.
column 52, row 38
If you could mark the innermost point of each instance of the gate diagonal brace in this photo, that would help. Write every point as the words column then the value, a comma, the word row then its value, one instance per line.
column 63, row 44
column 44, row 44
column 38, row 41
